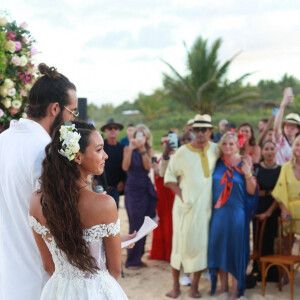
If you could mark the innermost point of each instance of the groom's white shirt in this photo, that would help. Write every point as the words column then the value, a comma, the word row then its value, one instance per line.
column 22, row 149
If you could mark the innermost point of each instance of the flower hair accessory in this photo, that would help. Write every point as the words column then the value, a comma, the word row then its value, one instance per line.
column 241, row 139
column 70, row 141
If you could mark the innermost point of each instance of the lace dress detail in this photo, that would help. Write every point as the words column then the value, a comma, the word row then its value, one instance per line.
column 69, row 282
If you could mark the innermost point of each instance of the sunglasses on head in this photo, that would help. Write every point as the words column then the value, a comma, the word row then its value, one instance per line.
column 198, row 129
column 112, row 127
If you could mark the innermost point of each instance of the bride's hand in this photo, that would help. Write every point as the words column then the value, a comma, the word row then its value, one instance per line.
column 129, row 237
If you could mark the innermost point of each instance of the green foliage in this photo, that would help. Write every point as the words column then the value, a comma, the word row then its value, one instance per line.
column 205, row 89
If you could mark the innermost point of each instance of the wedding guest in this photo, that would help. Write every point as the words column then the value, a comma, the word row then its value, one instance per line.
column 285, row 131
column 140, row 195
column 76, row 230
column 162, row 235
column 130, row 130
column 113, row 177
column 52, row 100
column 267, row 133
column 189, row 176
column 287, row 189
column 267, row 173
column 262, row 123
column 222, row 128
column 234, row 197
column 249, row 148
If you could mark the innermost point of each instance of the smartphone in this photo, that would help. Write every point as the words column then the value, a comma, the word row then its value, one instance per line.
column 154, row 159
column 139, row 135
column 275, row 111
column 173, row 140
column 289, row 91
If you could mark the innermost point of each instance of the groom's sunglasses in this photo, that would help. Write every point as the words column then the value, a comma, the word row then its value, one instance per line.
column 198, row 129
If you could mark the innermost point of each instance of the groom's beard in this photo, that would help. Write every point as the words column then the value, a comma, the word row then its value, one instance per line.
column 57, row 122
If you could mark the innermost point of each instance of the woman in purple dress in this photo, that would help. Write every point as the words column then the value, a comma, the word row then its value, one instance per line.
column 140, row 195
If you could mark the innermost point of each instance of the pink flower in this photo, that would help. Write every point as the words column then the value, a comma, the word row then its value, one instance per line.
column 11, row 35
column 14, row 111
column 24, row 40
column 23, row 25
column 23, row 93
column 33, row 51
column 18, row 46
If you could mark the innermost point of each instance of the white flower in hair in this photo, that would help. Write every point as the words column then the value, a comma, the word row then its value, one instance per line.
column 70, row 141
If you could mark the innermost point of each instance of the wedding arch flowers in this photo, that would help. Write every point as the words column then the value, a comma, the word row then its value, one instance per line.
column 17, row 70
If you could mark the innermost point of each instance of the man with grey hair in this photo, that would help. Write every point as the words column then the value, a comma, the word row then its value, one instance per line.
column 218, row 135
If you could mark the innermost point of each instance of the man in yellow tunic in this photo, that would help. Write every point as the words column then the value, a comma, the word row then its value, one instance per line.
column 189, row 175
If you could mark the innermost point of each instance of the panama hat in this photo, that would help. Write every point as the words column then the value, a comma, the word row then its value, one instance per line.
column 111, row 122
column 203, row 121
column 292, row 118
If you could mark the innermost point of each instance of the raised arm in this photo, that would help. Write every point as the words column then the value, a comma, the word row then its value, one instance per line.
column 265, row 131
column 127, row 154
column 278, row 119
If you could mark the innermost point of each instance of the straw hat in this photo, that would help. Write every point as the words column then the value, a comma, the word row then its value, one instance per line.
column 203, row 121
column 292, row 118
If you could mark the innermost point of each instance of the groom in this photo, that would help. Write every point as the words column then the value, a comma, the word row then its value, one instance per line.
column 52, row 101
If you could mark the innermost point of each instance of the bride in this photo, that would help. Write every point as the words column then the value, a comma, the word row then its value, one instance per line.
column 76, row 230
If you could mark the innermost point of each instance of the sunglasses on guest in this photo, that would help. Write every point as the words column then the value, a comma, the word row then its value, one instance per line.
column 113, row 127
column 198, row 129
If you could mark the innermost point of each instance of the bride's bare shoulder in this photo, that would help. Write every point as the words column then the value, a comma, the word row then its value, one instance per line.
column 97, row 209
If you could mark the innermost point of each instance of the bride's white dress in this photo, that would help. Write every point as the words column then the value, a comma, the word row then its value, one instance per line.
column 70, row 283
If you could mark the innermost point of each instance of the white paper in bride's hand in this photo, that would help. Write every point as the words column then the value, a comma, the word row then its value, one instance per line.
column 147, row 227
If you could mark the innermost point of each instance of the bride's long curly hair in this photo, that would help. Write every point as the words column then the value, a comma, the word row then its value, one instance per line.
column 59, row 200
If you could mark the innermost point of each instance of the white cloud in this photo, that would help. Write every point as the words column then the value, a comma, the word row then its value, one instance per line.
column 111, row 50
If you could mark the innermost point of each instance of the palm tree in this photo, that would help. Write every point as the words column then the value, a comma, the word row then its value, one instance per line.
column 205, row 89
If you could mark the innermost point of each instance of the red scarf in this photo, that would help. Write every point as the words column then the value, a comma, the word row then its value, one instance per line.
column 227, row 180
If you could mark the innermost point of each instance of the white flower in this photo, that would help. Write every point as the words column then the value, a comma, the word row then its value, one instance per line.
column 6, row 102
column 8, row 83
column 28, row 86
column 23, row 61
column 10, row 46
column 24, row 115
column 16, row 103
column 3, row 91
column 1, row 112
column 69, row 138
column 3, row 21
column 23, row 25
column 15, row 60
column 11, row 92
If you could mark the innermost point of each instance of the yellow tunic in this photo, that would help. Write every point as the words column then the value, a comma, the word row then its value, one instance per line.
column 287, row 191
column 192, row 215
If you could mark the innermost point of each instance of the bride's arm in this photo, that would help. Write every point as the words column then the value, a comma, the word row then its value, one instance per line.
column 112, row 243
column 45, row 253
column 35, row 211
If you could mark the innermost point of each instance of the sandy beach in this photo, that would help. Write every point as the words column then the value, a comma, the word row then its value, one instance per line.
column 155, row 281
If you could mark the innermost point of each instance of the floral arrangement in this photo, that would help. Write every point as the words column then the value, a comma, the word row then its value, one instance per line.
column 17, row 71
column 70, row 140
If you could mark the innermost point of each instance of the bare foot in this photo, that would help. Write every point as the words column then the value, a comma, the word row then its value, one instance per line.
column 220, row 292
column 233, row 296
column 174, row 293
column 194, row 294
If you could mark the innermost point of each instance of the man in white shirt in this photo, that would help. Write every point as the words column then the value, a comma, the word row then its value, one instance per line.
column 52, row 101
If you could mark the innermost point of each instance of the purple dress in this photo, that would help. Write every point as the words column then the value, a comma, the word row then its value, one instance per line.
column 140, row 201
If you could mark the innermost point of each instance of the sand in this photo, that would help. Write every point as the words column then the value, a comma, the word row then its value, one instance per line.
column 155, row 281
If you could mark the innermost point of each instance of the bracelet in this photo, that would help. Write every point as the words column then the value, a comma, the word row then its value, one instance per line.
column 248, row 176
column 143, row 153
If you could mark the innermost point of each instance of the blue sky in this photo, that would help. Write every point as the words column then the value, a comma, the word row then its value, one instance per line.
column 112, row 50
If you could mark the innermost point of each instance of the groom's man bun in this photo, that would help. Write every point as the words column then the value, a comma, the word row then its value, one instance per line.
column 50, row 87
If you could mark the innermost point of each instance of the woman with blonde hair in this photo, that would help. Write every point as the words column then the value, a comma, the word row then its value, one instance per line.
column 234, row 201
column 140, row 195
column 287, row 189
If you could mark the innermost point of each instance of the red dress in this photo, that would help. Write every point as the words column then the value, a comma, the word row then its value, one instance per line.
column 162, row 235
